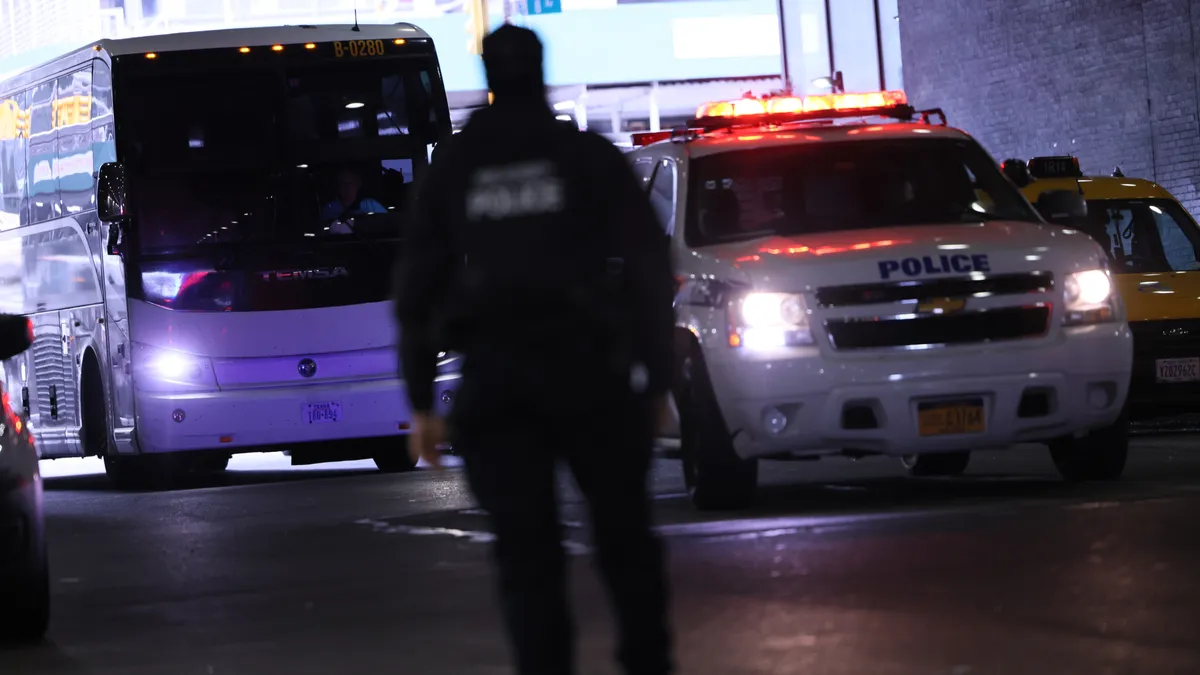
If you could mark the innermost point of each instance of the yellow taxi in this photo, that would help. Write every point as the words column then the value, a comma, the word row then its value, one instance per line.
column 1153, row 246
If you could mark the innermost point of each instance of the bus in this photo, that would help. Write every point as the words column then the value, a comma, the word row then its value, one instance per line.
column 201, row 227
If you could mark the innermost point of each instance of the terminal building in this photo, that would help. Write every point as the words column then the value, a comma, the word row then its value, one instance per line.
column 613, row 66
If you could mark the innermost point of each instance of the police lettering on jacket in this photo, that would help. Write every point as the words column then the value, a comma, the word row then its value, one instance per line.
column 934, row 264
column 515, row 191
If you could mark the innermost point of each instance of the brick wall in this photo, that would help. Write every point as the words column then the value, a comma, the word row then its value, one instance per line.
column 1113, row 82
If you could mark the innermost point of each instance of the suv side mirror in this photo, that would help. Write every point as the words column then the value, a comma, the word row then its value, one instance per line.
column 110, row 193
column 16, row 335
column 1061, row 206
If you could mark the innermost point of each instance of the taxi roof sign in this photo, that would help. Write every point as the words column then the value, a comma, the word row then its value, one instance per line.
column 1064, row 166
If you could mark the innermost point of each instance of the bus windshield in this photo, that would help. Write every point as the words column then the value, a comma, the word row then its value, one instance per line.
column 275, row 148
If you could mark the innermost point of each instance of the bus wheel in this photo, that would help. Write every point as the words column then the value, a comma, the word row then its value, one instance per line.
column 143, row 472
column 392, row 456
column 95, row 414
column 211, row 464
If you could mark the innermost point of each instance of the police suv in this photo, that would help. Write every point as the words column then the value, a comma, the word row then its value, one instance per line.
column 857, row 278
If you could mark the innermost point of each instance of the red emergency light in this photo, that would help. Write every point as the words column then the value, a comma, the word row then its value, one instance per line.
column 867, row 102
column 643, row 138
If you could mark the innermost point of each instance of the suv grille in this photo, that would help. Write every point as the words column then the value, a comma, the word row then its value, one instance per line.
column 1007, row 323
column 920, row 291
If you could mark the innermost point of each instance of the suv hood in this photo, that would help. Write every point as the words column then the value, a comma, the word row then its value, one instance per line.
column 909, row 253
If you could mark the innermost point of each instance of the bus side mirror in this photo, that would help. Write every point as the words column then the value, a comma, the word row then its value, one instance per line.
column 16, row 335
column 110, row 193
column 1061, row 206
column 111, row 197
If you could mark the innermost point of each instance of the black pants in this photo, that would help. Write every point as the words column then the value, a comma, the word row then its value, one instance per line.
column 511, row 466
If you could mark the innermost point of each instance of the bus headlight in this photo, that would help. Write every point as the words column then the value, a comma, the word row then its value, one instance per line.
column 166, row 369
column 1088, row 297
column 766, row 320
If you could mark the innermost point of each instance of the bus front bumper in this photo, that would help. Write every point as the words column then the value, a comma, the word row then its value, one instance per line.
column 279, row 416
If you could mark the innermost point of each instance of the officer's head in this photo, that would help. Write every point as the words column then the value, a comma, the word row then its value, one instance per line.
column 512, row 59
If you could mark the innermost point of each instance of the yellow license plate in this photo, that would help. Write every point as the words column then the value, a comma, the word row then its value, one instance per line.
column 955, row 417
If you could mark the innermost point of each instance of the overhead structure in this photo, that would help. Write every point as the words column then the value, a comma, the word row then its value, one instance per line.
column 477, row 24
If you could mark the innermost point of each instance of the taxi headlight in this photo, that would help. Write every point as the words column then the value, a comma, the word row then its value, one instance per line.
column 764, row 320
column 1088, row 297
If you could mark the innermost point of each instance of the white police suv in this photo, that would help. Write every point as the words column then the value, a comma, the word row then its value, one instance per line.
column 856, row 278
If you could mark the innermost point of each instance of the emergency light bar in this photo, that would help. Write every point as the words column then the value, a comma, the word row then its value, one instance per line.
column 775, row 110
column 869, row 102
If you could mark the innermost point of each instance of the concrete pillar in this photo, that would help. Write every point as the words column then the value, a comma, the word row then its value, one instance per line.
column 654, row 116
column 581, row 110
column 804, row 27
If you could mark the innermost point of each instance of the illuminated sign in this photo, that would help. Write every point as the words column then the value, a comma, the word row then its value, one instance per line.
column 359, row 48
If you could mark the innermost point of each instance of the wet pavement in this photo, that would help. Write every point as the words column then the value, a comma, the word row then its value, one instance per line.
column 844, row 567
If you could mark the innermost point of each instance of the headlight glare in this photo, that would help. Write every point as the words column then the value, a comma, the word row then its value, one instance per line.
column 1088, row 297
column 1092, row 287
column 769, row 320
column 161, row 369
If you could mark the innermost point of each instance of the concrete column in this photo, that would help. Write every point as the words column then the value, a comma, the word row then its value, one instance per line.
column 654, row 116
column 581, row 109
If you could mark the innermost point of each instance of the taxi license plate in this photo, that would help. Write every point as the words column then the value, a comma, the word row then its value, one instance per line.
column 943, row 418
column 1177, row 370
column 322, row 413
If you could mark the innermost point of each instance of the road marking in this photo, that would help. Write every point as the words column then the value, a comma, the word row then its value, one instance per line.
column 712, row 531
column 470, row 536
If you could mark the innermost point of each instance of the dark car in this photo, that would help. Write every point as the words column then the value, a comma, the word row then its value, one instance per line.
column 24, row 572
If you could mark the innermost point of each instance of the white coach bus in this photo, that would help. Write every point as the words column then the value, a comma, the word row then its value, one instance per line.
column 201, row 227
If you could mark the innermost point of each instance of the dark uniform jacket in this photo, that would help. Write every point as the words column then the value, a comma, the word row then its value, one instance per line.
column 533, row 251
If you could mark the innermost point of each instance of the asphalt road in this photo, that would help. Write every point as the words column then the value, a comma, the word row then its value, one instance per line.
column 844, row 568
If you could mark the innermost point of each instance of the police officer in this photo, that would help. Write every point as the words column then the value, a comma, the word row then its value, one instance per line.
column 535, row 254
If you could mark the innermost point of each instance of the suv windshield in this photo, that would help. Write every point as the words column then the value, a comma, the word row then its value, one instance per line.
column 1144, row 236
column 272, row 149
column 849, row 185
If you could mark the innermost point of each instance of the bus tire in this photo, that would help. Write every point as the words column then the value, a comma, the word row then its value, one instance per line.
column 392, row 456
column 211, row 463
column 94, row 433
column 144, row 472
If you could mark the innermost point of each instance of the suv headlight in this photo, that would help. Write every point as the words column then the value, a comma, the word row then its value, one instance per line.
column 160, row 369
column 766, row 320
column 1089, row 297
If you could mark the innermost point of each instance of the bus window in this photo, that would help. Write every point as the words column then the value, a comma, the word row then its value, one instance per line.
column 272, row 153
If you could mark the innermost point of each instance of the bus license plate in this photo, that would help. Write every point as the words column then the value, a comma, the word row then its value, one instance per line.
column 320, row 413
column 1178, row 370
column 950, row 417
